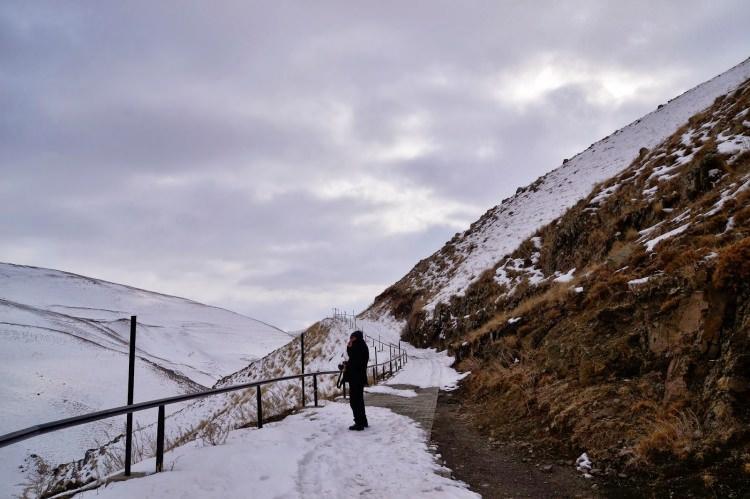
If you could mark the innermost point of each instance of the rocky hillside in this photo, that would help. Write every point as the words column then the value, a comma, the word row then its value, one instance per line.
column 621, row 327
column 501, row 229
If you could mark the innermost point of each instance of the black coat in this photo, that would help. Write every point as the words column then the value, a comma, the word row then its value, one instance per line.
column 356, row 367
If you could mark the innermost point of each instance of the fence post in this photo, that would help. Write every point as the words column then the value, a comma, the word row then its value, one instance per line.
column 315, row 389
column 129, row 416
column 160, row 440
column 376, row 356
column 302, row 350
column 260, row 406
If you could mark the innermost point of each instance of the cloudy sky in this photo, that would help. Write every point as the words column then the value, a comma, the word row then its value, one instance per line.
column 280, row 159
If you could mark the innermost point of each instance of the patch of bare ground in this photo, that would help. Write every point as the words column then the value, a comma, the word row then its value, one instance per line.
column 503, row 469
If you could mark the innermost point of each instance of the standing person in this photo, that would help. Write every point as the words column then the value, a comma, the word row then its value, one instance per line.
column 356, row 374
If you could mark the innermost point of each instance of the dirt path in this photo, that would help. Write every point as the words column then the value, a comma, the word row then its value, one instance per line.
column 420, row 408
column 497, row 470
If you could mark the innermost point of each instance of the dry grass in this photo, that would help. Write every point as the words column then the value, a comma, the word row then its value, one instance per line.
column 675, row 434
column 733, row 268
column 215, row 433
column 37, row 479
column 514, row 380
column 554, row 295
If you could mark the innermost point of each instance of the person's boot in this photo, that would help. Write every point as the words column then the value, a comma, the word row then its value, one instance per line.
column 356, row 427
column 366, row 425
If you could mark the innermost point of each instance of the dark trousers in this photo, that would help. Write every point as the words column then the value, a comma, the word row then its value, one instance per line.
column 357, row 402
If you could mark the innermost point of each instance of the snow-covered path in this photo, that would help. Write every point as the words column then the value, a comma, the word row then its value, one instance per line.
column 426, row 368
column 307, row 455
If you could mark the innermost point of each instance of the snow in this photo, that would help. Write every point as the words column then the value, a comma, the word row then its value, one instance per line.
column 427, row 368
column 200, row 342
column 650, row 192
column 733, row 145
column 503, row 228
column 532, row 274
column 567, row 277
column 578, row 289
column 311, row 454
column 584, row 465
column 638, row 282
column 387, row 390
column 64, row 352
column 604, row 194
column 513, row 320
column 730, row 225
column 681, row 217
column 728, row 194
column 650, row 244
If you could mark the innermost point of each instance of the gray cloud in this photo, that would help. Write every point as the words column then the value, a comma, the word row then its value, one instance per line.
column 281, row 160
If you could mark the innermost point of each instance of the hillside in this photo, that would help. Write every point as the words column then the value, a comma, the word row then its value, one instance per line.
column 64, row 351
column 501, row 229
column 620, row 327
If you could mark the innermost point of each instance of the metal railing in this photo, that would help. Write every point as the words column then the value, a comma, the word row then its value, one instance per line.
column 53, row 426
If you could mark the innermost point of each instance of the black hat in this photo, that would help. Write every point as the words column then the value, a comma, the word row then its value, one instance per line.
column 358, row 335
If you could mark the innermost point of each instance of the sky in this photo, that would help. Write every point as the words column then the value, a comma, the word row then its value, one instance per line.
column 283, row 158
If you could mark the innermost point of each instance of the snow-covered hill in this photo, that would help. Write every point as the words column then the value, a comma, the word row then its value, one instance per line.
column 64, row 351
column 498, row 232
column 200, row 342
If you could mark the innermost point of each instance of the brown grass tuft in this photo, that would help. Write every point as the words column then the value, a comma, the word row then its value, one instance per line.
column 674, row 435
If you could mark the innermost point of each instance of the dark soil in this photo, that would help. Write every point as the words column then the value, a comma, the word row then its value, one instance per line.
column 501, row 470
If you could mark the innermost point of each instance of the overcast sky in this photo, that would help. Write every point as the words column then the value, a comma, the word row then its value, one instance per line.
column 280, row 159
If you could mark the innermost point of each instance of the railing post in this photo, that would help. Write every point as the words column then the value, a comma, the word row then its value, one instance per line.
column 376, row 356
column 260, row 406
column 160, row 440
column 315, row 389
column 302, row 350
column 129, row 416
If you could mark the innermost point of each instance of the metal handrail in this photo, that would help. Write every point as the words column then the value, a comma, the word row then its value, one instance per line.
column 60, row 424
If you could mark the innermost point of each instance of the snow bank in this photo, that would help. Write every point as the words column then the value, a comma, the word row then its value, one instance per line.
column 387, row 390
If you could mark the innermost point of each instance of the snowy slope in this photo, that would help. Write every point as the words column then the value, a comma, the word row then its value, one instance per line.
column 63, row 352
column 197, row 341
column 504, row 227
